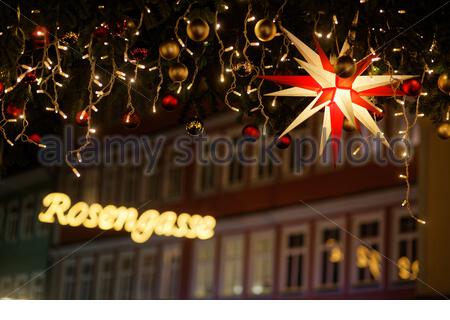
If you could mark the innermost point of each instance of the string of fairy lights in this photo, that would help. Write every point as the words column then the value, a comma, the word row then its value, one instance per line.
column 234, row 61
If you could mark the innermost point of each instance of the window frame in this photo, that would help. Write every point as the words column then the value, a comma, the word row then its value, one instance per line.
column 397, row 214
column 319, row 249
column 285, row 251
column 210, row 244
column 357, row 221
column 120, row 274
column 140, row 274
column 65, row 265
column 101, row 276
column 169, row 251
column 81, row 278
column 232, row 134
column 254, row 237
column 223, row 258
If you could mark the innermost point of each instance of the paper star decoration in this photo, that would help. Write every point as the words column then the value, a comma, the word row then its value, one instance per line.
column 339, row 97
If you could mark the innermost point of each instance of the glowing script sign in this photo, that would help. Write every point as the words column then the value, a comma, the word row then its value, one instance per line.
column 141, row 227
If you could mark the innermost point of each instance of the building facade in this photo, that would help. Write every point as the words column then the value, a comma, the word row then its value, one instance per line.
column 283, row 231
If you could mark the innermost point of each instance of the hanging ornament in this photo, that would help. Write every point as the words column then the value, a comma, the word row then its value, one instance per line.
column 70, row 38
column 444, row 83
column 35, row 137
column 40, row 37
column 265, row 30
column 411, row 87
column 197, row 30
column 170, row 102
column 169, row 49
column 251, row 131
column 241, row 66
column 194, row 127
column 348, row 126
column 131, row 119
column 283, row 142
column 178, row 72
column 2, row 88
column 101, row 31
column 29, row 77
column 443, row 130
column 345, row 67
column 138, row 53
column 339, row 98
column 81, row 118
column 14, row 111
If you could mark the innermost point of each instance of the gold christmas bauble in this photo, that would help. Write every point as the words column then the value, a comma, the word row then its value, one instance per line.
column 169, row 49
column 443, row 130
column 345, row 67
column 197, row 30
column 265, row 30
column 348, row 126
column 178, row 72
column 444, row 83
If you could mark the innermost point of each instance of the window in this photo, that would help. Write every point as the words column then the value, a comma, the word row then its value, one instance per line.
column 405, row 247
column 29, row 213
column 170, row 280
column 173, row 178
column 232, row 265
column 203, row 269
column 261, row 262
column 105, row 278
column 366, row 252
column 69, row 280
column 86, row 277
column 147, row 274
column 329, row 254
column 125, row 276
column 37, row 286
column 264, row 168
column 20, row 287
column 128, row 183
column 12, row 220
column 233, row 171
column 206, row 172
column 295, row 255
column 152, row 183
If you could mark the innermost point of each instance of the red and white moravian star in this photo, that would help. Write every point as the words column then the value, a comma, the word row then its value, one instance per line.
column 339, row 97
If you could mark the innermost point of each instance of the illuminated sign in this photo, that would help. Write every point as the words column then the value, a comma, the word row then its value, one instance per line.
column 141, row 227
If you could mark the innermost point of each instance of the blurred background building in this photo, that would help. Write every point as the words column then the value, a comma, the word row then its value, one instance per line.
column 280, row 234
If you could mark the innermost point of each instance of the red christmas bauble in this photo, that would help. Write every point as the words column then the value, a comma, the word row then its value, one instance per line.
column 131, row 119
column 170, row 102
column 29, row 77
column 35, row 137
column 139, row 53
column 82, row 118
column 284, row 141
column 251, row 131
column 411, row 87
column 101, row 31
column 2, row 88
column 14, row 111
column 40, row 36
